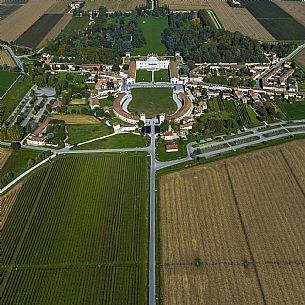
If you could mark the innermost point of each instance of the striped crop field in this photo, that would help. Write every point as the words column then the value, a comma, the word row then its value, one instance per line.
column 232, row 231
column 77, row 234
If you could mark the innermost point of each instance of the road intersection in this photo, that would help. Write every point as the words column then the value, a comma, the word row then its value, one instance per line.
column 280, row 129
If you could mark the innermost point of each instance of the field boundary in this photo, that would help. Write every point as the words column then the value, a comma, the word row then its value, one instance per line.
column 9, row 89
column 24, row 231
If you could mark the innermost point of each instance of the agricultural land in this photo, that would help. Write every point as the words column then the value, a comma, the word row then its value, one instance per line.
column 183, row 5
column 81, row 236
column 239, row 19
column 6, row 59
column 18, row 22
column 39, row 30
column 118, row 5
column 294, row 8
column 232, row 230
column 280, row 24
column 56, row 29
column 7, row 78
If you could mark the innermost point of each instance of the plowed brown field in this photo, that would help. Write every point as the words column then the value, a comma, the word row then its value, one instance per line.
column 234, row 230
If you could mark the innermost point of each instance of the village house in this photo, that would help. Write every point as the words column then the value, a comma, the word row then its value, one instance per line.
column 199, row 109
column 36, row 141
column 171, row 147
column 168, row 135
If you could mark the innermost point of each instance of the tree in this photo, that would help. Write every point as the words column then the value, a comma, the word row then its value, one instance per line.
column 15, row 145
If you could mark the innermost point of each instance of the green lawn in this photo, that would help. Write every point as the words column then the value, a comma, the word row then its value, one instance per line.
column 143, row 76
column 14, row 96
column 152, row 28
column 78, row 234
column 294, row 111
column 18, row 161
column 6, row 79
column 82, row 133
column 117, row 141
column 164, row 156
column 161, row 76
column 152, row 101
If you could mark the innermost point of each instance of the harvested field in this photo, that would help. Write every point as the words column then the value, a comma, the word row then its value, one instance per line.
column 6, row 59
column 57, row 29
column 239, row 19
column 6, row 10
column 185, row 5
column 114, row 5
column 7, row 202
column 4, row 155
column 59, row 7
column 234, row 230
column 18, row 22
column 296, row 9
column 40, row 29
column 278, row 22
column 76, row 119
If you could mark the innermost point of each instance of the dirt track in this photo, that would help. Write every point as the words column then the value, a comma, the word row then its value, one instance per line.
column 234, row 230
column 18, row 22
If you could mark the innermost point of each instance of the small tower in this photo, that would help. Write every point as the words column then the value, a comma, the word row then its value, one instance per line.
column 143, row 117
column 161, row 118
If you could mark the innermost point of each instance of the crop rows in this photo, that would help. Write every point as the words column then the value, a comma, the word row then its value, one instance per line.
column 99, row 285
column 243, row 114
column 91, row 218
column 233, row 230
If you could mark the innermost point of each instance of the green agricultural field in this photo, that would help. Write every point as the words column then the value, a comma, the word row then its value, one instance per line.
column 6, row 79
column 161, row 76
column 78, row 234
column 152, row 101
column 152, row 28
column 82, row 133
column 14, row 96
column 143, row 76
column 294, row 111
column 118, row 141
column 77, row 24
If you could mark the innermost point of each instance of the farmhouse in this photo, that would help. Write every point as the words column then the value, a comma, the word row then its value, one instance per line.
column 172, row 147
column 168, row 136
column 36, row 141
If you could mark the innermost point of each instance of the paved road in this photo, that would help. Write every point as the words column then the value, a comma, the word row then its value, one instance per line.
column 157, row 165
column 287, row 58
column 152, row 227
column 16, row 59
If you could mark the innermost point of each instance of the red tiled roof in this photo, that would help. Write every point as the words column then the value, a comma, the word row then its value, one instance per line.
column 187, row 104
column 118, row 108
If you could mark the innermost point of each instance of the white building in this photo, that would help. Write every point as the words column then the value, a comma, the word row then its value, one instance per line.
column 152, row 63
